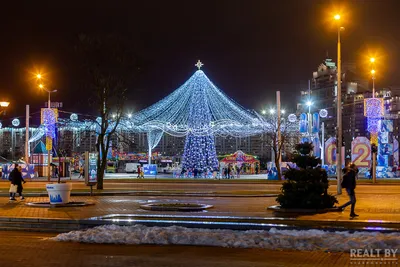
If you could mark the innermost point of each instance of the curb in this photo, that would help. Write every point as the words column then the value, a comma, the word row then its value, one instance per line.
column 58, row 225
column 145, row 193
column 277, row 208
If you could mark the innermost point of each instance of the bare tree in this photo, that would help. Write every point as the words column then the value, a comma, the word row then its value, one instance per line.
column 289, row 137
column 110, row 65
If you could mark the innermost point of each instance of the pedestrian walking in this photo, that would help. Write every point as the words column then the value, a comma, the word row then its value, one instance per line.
column 349, row 182
column 81, row 173
column 16, row 181
column 139, row 171
column 226, row 172
column 238, row 171
column 56, row 174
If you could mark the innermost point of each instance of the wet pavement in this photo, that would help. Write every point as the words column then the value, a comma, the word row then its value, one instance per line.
column 21, row 249
column 375, row 205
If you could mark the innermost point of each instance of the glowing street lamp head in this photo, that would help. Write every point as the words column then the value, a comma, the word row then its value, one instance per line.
column 271, row 111
column 309, row 103
column 39, row 76
column 263, row 111
column 129, row 115
column 337, row 17
column 41, row 86
column 283, row 111
column 4, row 104
column 373, row 72
column 372, row 59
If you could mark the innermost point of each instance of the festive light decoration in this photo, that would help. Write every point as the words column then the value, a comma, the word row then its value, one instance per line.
column 15, row 122
column 171, row 114
column 199, row 152
column 323, row 113
column 199, row 111
column 49, row 120
column 292, row 118
column 74, row 117
column 1, row 125
column 373, row 110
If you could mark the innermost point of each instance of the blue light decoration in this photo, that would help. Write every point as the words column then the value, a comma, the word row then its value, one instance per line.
column 199, row 152
column 303, row 123
column 1, row 125
column 171, row 114
column 49, row 120
column 15, row 122
column 200, row 111
column 73, row 117
column 315, row 123
column 373, row 110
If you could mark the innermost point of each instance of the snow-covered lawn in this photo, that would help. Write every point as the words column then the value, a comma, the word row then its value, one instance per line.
column 272, row 239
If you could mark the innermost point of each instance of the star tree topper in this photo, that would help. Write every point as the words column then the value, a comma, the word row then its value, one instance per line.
column 199, row 64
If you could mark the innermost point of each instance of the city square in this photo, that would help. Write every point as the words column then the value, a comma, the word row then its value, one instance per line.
column 142, row 134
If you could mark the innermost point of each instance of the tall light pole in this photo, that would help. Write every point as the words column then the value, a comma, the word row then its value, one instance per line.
column 339, row 111
column 41, row 86
column 372, row 60
column 278, row 118
column 309, row 118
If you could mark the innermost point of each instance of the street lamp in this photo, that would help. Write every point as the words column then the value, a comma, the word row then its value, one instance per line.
column 263, row 112
column 271, row 111
column 339, row 110
column 4, row 104
column 372, row 60
column 309, row 104
column 42, row 86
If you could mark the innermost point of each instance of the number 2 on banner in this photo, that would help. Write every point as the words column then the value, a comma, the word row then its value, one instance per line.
column 363, row 152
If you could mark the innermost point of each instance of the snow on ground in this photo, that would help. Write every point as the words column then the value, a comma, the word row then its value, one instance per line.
column 272, row 239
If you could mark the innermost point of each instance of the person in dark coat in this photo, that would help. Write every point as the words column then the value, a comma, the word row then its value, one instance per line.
column 349, row 182
column 16, row 179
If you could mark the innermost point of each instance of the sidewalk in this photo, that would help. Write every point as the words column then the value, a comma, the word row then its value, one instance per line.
column 377, row 207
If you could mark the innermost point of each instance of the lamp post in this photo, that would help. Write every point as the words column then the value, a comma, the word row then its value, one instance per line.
column 309, row 118
column 339, row 111
column 41, row 86
column 374, row 152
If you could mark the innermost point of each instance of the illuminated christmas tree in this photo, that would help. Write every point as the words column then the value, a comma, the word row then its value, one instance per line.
column 199, row 151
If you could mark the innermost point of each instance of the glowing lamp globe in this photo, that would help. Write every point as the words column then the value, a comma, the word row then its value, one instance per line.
column 323, row 113
column 73, row 117
column 15, row 122
column 292, row 117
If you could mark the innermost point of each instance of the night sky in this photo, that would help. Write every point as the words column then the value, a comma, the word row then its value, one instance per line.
column 250, row 48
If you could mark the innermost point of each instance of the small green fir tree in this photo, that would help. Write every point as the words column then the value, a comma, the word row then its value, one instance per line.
column 306, row 187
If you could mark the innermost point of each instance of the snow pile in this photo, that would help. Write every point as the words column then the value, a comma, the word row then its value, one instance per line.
column 271, row 239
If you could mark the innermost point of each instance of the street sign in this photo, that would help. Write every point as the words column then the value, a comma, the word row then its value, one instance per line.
column 54, row 104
